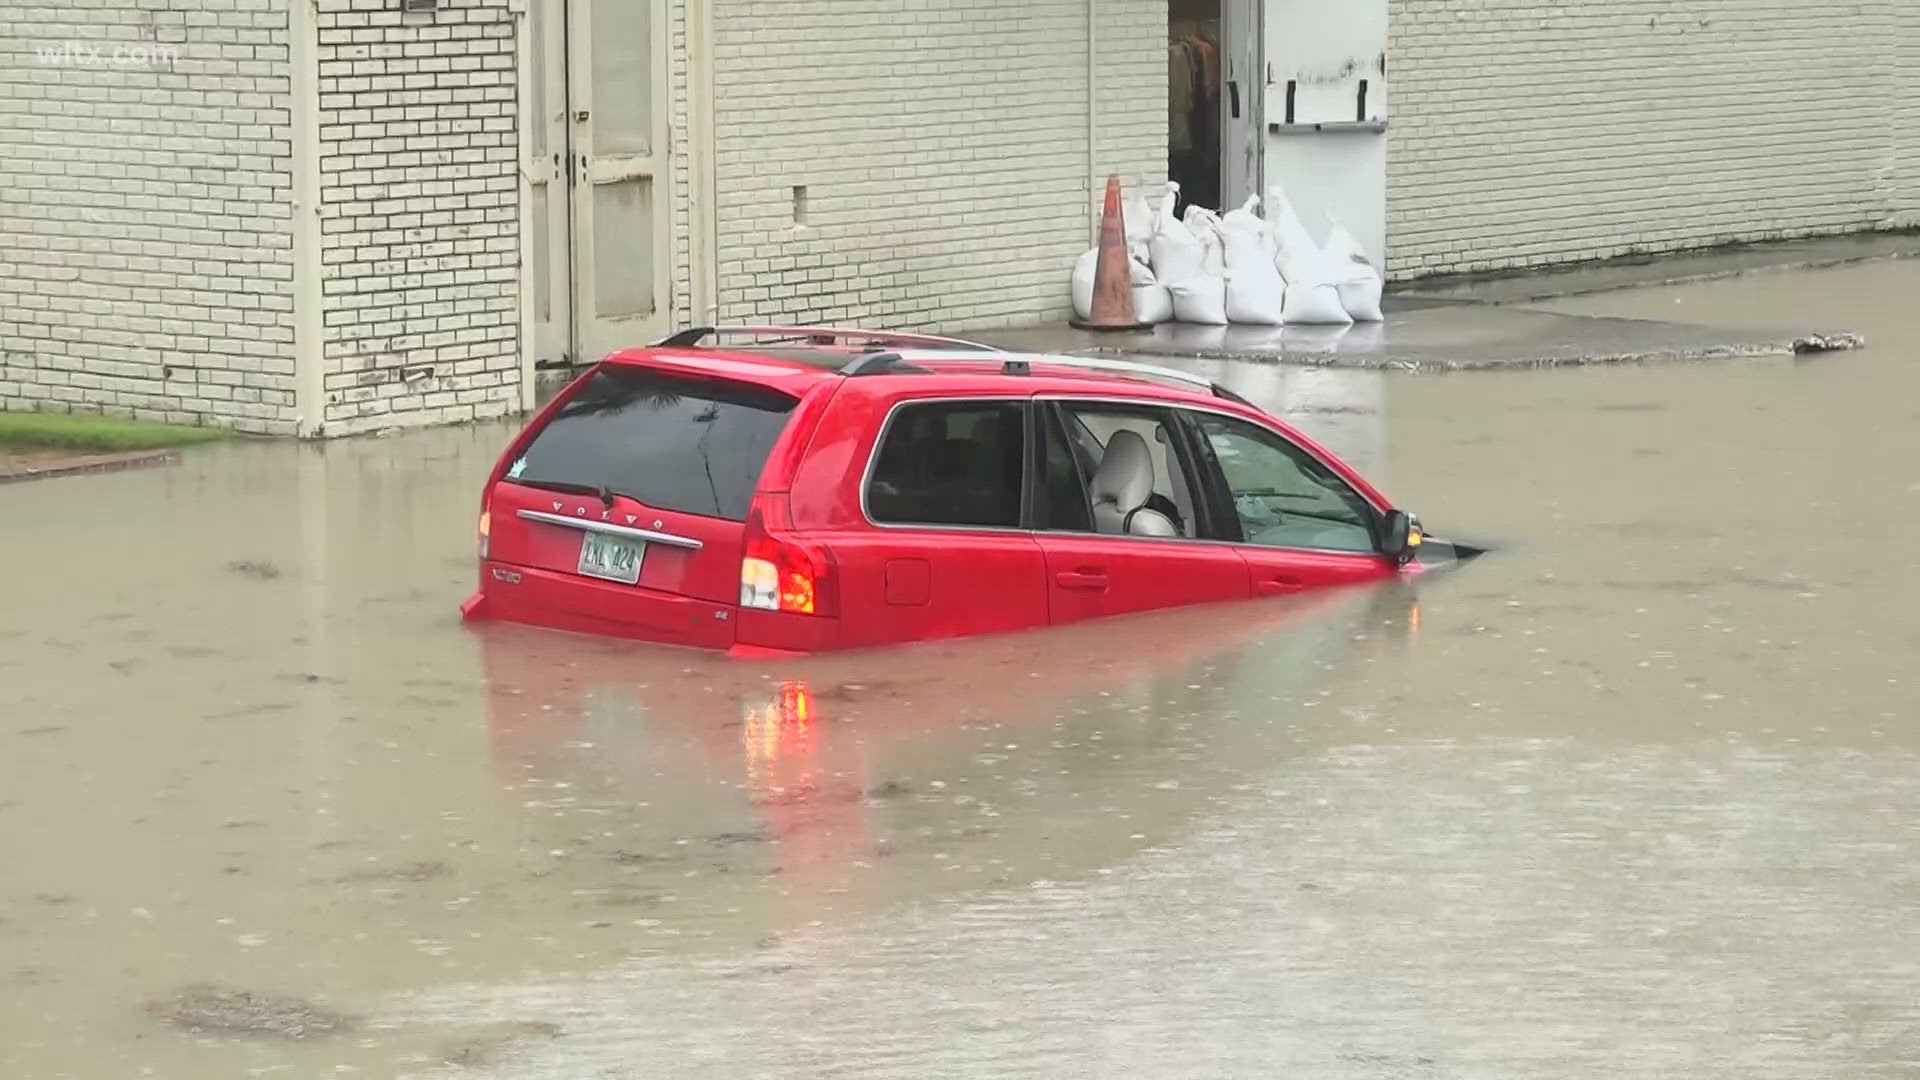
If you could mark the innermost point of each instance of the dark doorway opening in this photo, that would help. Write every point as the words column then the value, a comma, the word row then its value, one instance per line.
column 1195, row 79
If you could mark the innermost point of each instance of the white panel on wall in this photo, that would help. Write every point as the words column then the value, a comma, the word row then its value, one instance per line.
column 1326, row 111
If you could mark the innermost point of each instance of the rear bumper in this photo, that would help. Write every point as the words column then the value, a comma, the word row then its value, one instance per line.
column 562, row 601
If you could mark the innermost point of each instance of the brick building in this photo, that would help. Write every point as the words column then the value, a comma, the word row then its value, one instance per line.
column 330, row 216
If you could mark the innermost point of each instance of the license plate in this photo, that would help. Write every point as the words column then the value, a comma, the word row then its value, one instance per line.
column 612, row 557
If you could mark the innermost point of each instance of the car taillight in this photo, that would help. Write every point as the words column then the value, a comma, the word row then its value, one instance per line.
column 779, row 572
column 486, row 521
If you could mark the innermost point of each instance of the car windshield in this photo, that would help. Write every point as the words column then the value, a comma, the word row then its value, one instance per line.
column 692, row 445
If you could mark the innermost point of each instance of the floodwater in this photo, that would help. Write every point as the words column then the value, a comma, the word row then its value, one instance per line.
column 1638, row 795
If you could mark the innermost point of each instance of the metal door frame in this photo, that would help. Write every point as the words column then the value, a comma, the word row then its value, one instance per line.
column 1243, row 139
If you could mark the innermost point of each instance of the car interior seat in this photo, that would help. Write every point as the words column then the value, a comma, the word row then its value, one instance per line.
column 1121, row 487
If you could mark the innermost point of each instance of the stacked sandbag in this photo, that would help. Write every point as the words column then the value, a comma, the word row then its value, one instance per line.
column 1204, row 224
column 1256, row 293
column 1359, row 282
column 1186, row 259
column 1239, row 267
column 1313, row 296
column 1152, row 303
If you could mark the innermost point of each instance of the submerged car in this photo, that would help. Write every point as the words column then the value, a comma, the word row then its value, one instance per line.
column 821, row 489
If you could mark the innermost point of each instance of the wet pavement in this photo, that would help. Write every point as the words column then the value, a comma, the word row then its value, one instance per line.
column 1638, row 795
column 38, row 463
column 1480, row 322
column 1711, row 264
column 1440, row 336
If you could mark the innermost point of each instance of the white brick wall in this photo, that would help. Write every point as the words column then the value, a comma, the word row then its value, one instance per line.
column 1528, row 132
column 145, row 248
column 943, row 146
column 1904, row 48
column 419, row 190
column 680, row 121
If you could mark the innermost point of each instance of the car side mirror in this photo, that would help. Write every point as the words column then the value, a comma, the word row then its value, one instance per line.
column 1402, row 540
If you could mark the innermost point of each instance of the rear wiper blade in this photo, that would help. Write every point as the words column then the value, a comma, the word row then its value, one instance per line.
column 604, row 493
column 558, row 485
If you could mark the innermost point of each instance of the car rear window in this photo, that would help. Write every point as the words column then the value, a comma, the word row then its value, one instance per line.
column 692, row 445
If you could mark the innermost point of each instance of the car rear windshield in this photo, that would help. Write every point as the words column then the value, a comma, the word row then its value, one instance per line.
column 692, row 445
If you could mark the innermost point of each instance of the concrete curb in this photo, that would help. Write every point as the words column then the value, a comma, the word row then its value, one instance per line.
column 1464, row 296
column 1590, row 279
column 79, row 464
column 1805, row 344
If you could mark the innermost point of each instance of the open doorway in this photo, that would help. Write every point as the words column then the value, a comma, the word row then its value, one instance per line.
column 1214, row 89
column 1195, row 81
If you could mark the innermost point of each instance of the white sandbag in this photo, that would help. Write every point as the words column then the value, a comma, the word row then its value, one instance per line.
column 1245, row 238
column 1201, row 300
column 1245, row 248
column 1088, row 265
column 1361, row 298
column 1315, row 302
column 1176, row 254
column 1083, row 271
column 1246, row 216
column 1152, row 304
column 1199, row 219
column 1140, row 273
column 1215, row 261
column 1204, row 224
column 1256, row 295
column 1313, row 294
column 1295, row 245
column 1139, row 220
column 1358, row 280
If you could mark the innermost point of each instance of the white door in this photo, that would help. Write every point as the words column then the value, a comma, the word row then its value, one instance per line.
column 1242, row 139
column 549, row 260
column 1326, row 113
column 610, row 74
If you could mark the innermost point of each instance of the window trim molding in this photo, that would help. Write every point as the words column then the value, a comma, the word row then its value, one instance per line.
column 1215, row 480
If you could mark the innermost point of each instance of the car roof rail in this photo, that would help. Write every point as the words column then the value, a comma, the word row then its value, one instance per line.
column 823, row 335
column 1021, row 364
column 878, row 362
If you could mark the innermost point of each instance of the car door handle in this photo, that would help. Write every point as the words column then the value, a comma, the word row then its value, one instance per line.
column 1092, row 580
column 1274, row 586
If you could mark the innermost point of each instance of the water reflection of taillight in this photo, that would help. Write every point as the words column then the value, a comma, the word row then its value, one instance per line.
column 779, row 572
column 783, row 727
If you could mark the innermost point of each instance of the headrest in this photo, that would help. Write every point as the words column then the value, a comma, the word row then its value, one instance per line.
column 1125, row 476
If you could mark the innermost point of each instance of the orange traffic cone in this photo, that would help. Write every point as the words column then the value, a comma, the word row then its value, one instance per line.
column 1112, row 274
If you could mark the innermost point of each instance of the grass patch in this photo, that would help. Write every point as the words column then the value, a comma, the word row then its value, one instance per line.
column 86, row 432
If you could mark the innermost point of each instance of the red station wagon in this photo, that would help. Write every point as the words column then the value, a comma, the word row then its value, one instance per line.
column 831, row 489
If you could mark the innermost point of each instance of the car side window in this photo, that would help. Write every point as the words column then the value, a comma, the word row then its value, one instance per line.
column 954, row 463
column 1283, row 496
column 1120, row 466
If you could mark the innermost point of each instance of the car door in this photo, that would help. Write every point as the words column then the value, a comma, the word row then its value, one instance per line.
column 1294, row 521
column 1093, row 573
column 933, row 545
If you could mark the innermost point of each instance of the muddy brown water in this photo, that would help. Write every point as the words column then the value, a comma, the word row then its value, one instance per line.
column 1636, row 796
